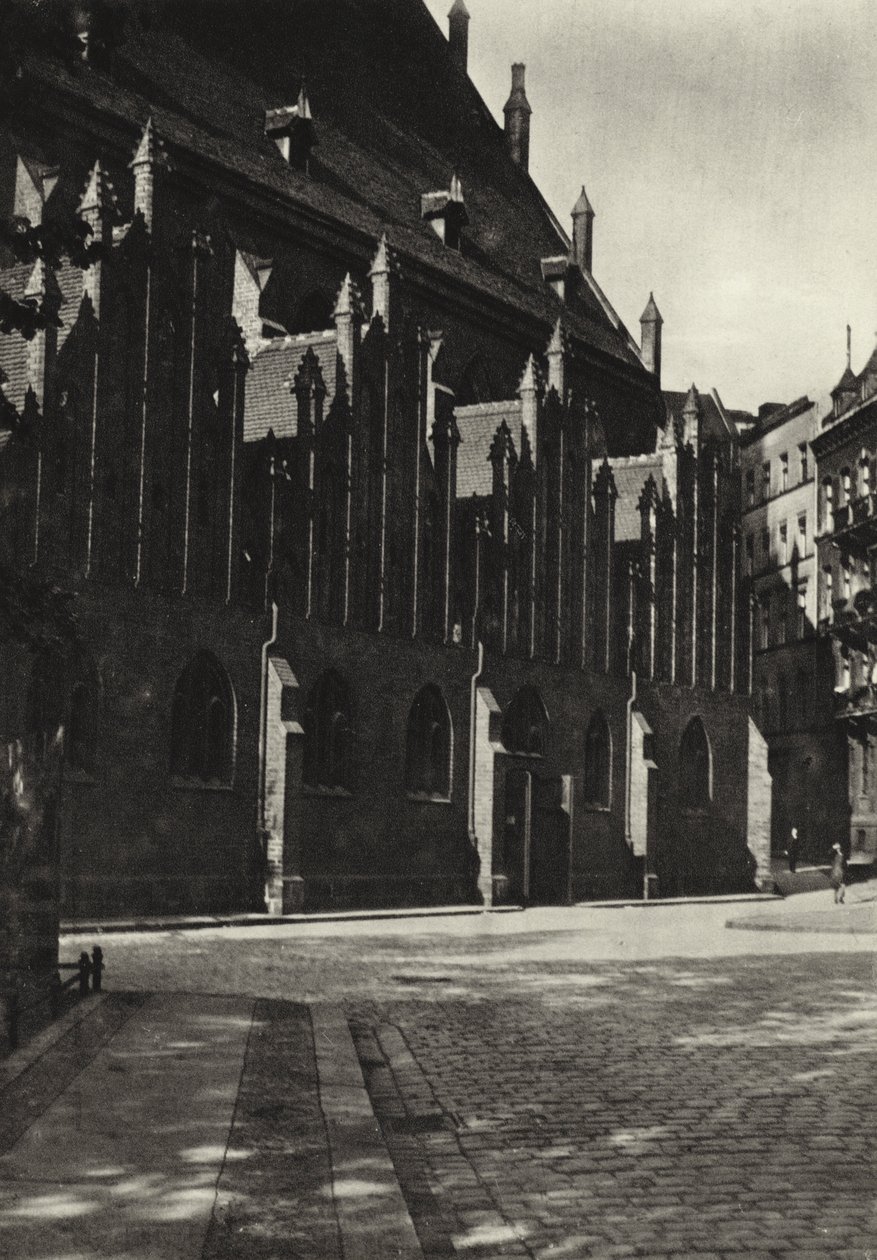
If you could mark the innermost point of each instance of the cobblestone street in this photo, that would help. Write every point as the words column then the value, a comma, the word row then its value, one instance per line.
column 585, row 1085
column 660, row 1110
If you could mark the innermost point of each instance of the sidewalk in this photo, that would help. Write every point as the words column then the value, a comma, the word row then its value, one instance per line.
column 194, row 923
column 181, row 1127
column 815, row 911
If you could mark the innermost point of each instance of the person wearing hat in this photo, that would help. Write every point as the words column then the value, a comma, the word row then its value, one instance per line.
column 838, row 874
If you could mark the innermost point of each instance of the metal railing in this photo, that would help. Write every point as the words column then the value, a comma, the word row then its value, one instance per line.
column 88, row 977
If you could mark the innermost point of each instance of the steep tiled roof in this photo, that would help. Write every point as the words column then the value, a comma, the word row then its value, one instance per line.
column 630, row 476
column 477, row 426
column 713, row 425
column 13, row 349
column 270, row 403
column 393, row 117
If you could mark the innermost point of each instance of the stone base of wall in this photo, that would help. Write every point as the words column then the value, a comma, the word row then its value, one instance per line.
column 385, row 892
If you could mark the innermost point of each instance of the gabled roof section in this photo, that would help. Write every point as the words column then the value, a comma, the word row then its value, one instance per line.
column 394, row 120
column 478, row 425
column 718, row 423
column 630, row 475
column 271, row 406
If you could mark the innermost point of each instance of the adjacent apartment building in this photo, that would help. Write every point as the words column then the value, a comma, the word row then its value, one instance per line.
column 793, row 676
column 846, row 469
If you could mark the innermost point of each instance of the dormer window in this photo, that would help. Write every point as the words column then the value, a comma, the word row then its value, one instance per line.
column 446, row 213
column 554, row 273
column 291, row 127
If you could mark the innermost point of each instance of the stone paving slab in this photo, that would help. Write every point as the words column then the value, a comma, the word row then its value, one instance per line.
column 124, row 1162
column 196, row 1127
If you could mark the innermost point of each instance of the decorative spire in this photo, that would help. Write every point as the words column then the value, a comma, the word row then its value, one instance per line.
column 348, row 302
column 304, row 105
column 555, row 354
column 650, row 339
column 583, row 232
column 528, row 382
column 458, row 35
column 380, row 274
column 381, row 261
column 517, row 119
column 651, row 315
column 145, row 152
column 98, row 203
column 503, row 446
column 583, row 205
column 149, row 156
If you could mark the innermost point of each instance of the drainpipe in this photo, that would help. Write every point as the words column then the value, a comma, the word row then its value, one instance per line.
column 472, row 704
column 263, row 717
column 628, row 767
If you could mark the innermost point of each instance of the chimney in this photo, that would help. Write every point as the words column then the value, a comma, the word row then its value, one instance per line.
column 517, row 119
column 583, row 232
column 458, row 35
column 651, row 324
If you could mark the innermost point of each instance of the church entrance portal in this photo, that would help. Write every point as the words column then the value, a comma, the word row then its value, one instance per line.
column 537, row 839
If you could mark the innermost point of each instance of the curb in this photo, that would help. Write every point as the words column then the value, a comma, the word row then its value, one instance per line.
column 95, row 927
column 357, row 1150
column 27, row 1055
column 200, row 922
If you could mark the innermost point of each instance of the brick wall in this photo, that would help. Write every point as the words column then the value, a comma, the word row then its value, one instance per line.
column 133, row 838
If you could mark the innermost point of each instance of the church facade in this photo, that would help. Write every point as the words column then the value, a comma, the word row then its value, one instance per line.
column 399, row 579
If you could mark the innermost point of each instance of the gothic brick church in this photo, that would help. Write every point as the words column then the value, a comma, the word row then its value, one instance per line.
column 400, row 582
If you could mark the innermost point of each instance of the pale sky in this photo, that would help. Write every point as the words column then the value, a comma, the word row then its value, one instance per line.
column 728, row 149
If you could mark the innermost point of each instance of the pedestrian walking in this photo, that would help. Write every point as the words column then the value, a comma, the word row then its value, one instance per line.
column 838, row 875
column 793, row 850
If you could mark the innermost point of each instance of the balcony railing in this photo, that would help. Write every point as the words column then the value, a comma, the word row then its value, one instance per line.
column 856, row 522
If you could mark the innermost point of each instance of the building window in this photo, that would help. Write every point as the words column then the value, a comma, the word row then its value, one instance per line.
column 784, row 544
column 765, row 480
column 827, row 594
column 847, row 583
column 865, row 476
column 765, row 547
column 802, row 536
column 750, row 487
column 765, row 621
column 802, row 610
column 695, row 766
column 80, row 744
column 784, row 471
column 782, row 615
column 828, row 506
column 328, row 735
column 845, row 486
column 750, row 554
column 598, row 763
column 525, row 726
column 866, row 767
column 202, row 723
column 428, row 744
column 805, row 462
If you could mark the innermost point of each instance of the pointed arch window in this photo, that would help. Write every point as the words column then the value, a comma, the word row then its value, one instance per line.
column 695, row 766
column 525, row 725
column 428, row 746
column 202, row 723
column 598, row 763
column 328, row 740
